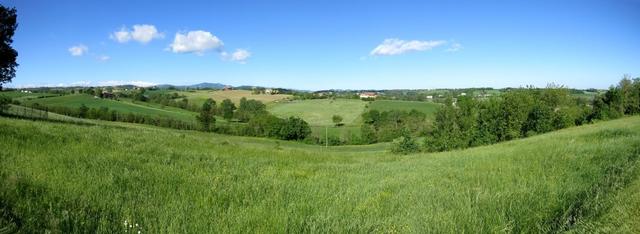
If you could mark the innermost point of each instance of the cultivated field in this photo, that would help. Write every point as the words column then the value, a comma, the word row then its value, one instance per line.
column 200, row 96
column 69, row 178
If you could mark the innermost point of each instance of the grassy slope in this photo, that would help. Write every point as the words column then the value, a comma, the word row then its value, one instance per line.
column 428, row 108
column 34, row 113
column 66, row 177
column 122, row 106
column 318, row 112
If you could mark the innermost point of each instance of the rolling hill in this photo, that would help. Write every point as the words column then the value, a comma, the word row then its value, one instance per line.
column 70, row 178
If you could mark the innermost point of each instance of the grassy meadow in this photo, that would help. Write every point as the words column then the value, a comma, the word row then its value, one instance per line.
column 122, row 106
column 58, row 177
column 318, row 112
column 199, row 96
column 428, row 108
column 20, row 96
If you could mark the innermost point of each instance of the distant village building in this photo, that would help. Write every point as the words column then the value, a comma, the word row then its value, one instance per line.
column 107, row 94
column 429, row 97
column 463, row 94
column 368, row 95
column 227, row 88
column 271, row 91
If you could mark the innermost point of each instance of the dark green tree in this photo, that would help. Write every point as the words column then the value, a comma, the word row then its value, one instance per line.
column 4, row 103
column 83, row 111
column 226, row 109
column 206, row 117
column 337, row 120
column 404, row 145
column 8, row 55
column 295, row 129
column 249, row 109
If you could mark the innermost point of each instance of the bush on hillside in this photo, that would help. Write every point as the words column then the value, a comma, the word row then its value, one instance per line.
column 4, row 103
column 404, row 145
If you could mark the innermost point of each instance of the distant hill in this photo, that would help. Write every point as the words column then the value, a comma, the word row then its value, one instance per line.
column 204, row 85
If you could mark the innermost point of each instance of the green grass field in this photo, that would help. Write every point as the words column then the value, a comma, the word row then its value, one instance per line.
column 39, row 114
column 20, row 96
column 199, row 96
column 122, row 106
column 428, row 108
column 318, row 112
column 60, row 177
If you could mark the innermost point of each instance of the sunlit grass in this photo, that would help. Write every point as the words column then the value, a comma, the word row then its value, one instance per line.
column 68, row 178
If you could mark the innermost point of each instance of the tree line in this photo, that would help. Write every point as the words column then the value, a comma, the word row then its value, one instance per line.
column 521, row 113
column 104, row 113
column 252, row 119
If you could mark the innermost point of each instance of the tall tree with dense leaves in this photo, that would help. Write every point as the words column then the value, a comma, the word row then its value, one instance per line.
column 226, row 108
column 8, row 25
column 206, row 114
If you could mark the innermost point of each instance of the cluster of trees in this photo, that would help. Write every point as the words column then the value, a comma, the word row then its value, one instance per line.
column 267, row 125
column 252, row 119
column 388, row 125
column 517, row 113
column 171, row 99
column 524, row 112
column 623, row 99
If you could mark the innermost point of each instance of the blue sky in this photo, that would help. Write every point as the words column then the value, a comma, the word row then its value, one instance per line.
column 328, row 44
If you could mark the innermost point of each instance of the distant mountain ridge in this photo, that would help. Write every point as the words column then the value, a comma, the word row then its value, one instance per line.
column 204, row 85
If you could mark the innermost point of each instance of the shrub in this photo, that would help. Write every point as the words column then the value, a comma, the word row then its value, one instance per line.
column 404, row 145
column 4, row 103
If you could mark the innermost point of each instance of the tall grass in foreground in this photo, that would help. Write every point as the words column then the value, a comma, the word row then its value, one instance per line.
column 67, row 178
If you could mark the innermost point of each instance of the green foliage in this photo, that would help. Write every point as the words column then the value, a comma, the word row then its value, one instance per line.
column 82, row 111
column 8, row 55
column 388, row 125
column 336, row 120
column 206, row 114
column 404, row 145
column 4, row 103
column 293, row 128
column 227, row 108
column 249, row 109
column 123, row 106
column 517, row 113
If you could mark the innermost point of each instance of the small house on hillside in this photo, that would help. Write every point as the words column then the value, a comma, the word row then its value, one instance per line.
column 270, row 91
column 107, row 94
column 368, row 95
column 227, row 88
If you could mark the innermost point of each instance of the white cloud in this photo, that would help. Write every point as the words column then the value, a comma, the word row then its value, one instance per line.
column 394, row 46
column 195, row 42
column 103, row 58
column 78, row 50
column 122, row 82
column 455, row 47
column 81, row 83
column 121, row 36
column 145, row 33
column 142, row 33
column 240, row 55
